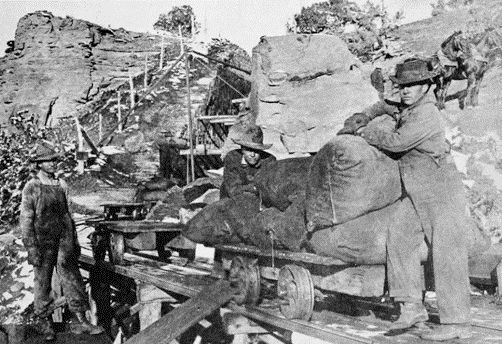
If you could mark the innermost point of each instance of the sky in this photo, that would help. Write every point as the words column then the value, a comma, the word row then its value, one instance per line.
column 241, row 21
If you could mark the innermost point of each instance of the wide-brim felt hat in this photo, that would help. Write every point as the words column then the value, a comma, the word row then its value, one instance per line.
column 252, row 138
column 412, row 71
column 43, row 153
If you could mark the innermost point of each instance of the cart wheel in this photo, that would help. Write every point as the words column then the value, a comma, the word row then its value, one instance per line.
column 245, row 276
column 296, row 287
column 117, row 248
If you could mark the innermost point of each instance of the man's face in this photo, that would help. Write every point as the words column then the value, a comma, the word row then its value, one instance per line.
column 48, row 167
column 411, row 93
column 251, row 156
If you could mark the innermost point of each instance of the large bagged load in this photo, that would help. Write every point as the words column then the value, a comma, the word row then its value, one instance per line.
column 219, row 223
column 285, row 229
column 363, row 240
column 349, row 178
column 283, row 181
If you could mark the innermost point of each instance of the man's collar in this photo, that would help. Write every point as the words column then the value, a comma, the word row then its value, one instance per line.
column 46, row 179
column 427, row 98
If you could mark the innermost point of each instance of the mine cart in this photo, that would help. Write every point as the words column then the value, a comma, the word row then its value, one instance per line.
column 124, row 227
column 299, row 277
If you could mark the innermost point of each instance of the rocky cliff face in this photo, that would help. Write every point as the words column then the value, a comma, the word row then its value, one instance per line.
column 303, row 89
column 57, row 65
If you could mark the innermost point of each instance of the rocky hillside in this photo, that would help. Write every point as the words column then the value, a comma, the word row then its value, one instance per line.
column 424, row 37
column 57, row 65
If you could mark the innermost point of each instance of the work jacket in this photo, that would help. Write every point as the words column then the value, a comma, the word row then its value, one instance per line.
column 238, row 175
column 419, row 128
column 428, row 173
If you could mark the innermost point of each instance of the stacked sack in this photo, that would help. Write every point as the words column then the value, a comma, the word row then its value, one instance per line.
column 352, row 200
column 349, row 178
column 341, row 203
column 249, row 218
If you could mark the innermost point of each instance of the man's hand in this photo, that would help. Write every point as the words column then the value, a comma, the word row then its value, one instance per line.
column 354, row 123
column 34, row 256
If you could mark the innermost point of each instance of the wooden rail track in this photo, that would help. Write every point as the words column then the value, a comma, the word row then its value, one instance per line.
column 190, row 280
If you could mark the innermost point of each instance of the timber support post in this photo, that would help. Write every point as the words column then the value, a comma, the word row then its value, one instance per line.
column 150, row 300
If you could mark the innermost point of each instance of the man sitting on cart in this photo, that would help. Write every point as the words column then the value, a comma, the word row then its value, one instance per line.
column 241, row 165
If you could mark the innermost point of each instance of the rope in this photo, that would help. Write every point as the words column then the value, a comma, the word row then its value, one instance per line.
column 331, row 198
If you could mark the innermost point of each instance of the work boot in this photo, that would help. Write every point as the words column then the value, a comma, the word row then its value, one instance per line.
column 411, row 314
column 47, row 328
column 447, row 332
column 82, row 325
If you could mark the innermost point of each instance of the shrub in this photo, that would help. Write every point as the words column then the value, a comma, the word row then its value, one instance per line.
column 363, row 29
column 15, row 169
column 177, row 17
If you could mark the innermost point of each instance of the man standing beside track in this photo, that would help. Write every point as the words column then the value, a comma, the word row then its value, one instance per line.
column 432, row 182
column 50, row 238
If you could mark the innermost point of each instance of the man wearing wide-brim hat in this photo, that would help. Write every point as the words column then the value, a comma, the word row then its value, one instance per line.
column 432, row 182
column 241, row 165
column 50, row 238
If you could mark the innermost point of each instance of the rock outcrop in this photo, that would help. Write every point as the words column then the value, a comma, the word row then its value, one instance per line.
column 303, row 88
column 56, row 65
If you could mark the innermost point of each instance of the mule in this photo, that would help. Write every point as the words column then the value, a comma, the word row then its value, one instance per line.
column 472, row 62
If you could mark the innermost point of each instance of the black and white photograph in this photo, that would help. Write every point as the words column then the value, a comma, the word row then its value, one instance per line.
column 250, row 172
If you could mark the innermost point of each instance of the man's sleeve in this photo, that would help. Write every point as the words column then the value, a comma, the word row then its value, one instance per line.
column 28, row 213
column 418, row 128
column 380, row 108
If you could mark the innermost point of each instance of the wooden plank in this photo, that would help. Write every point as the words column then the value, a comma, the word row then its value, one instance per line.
column 150, row 311
column 142, row 226
column 185, row 316
column 217, row 118
column 173, row 280
column 123, row 205
column 212, row 151
column 278, row 254
column 86, row 137
column 310, row 329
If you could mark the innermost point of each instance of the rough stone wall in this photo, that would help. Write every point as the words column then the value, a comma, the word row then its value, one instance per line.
column 303, row 88
column 59, row 64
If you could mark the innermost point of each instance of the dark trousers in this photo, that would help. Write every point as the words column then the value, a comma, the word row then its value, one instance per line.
column 62, row 257
column 437, row 193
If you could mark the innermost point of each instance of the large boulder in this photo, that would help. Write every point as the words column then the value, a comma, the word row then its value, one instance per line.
column 303, row 88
